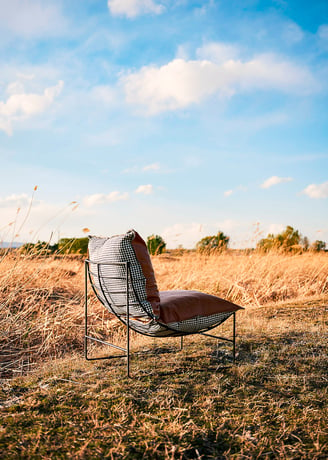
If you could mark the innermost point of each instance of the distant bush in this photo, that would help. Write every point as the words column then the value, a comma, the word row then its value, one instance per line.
column 318, row 245
column 64, row 246
column 155, row 244
column 290, row 240
column 73, row 246
column 41, row 248
column 217, row 242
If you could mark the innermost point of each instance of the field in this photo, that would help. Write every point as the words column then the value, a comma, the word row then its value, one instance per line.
column 189, row 404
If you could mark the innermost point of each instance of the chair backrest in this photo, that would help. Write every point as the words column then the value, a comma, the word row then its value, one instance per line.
column 114, row 260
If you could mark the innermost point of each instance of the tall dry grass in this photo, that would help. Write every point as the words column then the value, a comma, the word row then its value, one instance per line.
column 246, row 278
column 40, row 309
column 41, row 299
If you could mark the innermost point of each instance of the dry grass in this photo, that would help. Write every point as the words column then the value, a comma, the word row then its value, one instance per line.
column 41, row 310
column 41, row 299
column 248, row 279
column 187, row 405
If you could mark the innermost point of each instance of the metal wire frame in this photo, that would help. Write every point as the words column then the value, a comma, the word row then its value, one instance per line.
column 175, row 333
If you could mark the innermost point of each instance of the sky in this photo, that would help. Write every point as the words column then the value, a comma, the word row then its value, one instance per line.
column 173, row 117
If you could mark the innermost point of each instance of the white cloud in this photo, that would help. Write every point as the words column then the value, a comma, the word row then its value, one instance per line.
column 133, row 8
column 274, row 228
column 32, row 18
column 151, row 167
column 102, row 198
column 217, row 52
column 186, row 234
column 323, row 32
column 292, row 33
column 20, row 105
column 182, row 52
column 145, row 189
column 15, row 200
column 189, row 234
column 44, row 221
column 317, row 190
column 240, row 188
column 274, row 180
column 105, row 94
column 181, row 83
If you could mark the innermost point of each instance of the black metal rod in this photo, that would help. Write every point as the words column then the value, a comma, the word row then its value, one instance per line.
column 106, row 357
column 105, row 343
column 85, row 309
column 121, row 264
column 215, row 336
column 181, row 342
column 88, row 337
column 128, row 319
column 234, row 337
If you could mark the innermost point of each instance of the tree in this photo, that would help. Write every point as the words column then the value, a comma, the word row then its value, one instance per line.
column 41, row 248
column 217, row 242
column 288, row 240
column 305, row 243
column 73, row 245
column 318, row 245
column 155, row 244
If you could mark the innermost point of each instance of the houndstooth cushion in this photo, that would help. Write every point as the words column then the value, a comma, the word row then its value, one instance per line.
column 112, row 278
column 200, row 323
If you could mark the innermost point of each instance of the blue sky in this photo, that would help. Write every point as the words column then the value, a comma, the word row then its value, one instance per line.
column 179, row 118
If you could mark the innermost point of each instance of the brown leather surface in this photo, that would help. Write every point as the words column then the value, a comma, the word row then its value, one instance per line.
column 182, row 305
column 140, row 248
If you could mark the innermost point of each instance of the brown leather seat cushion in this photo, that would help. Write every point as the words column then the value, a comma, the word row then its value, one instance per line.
column 181, row 305
column 142, row 254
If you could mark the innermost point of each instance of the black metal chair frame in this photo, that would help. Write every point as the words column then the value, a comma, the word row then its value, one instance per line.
column 127, row 353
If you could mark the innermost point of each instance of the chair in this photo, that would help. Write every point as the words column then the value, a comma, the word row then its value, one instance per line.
column 120, row 272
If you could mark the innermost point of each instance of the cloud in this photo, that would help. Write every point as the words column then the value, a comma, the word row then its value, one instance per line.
column 317, row 190
column 323, row 32
column 102, row 198
column 186, row 234
column 181, row 83
column 105, row 94
column 292, row 33
column 274, row 180
column 139, row 169
column 274, row 228
column 15, row 200
column 20, row 105
column 240, row 188
column 133, row 8
column 145, row 189
column 43, row 221
column 32, row 18
column 217, row 52
column 151, row 167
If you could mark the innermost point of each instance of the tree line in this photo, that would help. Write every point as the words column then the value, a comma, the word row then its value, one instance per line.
column 289, row 240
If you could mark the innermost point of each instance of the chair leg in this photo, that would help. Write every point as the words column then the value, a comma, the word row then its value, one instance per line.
column 234, row 338
column 94, row 339
column 127, row 325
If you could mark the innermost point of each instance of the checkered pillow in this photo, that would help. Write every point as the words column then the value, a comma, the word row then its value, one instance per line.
column 112, row 277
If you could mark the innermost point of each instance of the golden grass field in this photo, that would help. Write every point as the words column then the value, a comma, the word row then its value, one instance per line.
column 189, row 404
column 42, row 298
